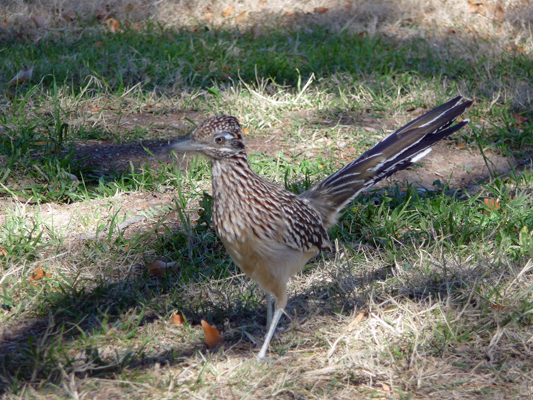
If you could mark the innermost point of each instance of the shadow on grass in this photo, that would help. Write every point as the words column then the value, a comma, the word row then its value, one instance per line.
column 208, row 59
column 80, row 329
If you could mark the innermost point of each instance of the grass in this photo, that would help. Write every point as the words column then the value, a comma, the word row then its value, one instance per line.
column 428, row 293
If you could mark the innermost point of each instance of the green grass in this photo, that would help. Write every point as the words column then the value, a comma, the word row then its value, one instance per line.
column 439, row 273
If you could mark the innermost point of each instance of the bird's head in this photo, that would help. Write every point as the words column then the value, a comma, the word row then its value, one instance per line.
column 218, row 138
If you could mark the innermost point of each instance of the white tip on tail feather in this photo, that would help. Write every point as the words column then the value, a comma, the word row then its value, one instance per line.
column 421, row 155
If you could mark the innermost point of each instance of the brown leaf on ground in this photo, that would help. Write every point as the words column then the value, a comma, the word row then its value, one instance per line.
column 228, row 11
column 497, row 12
column 492, row 204
column 240, row 18
column 472, row 9
column 3, row 251
column 321, row 10
column 38, row 274
column 160, row 268
column 355, row 321
column 113, row 25
column 70, row 16
column 520, row 119
column 177, row 319
column 514, row 47
column 39, row 21
column 212, row 336
column 21, row 77
column 157, row 268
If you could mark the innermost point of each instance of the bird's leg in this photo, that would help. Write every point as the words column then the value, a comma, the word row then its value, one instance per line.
column 270, row 333
column 269, row 310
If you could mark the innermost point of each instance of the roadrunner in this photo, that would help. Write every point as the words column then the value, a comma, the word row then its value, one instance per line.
column 271, row 233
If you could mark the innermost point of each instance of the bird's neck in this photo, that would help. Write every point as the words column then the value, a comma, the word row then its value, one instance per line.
column 231, row 172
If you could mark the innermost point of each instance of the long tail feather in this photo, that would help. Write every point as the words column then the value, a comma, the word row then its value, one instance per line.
column 398, row 151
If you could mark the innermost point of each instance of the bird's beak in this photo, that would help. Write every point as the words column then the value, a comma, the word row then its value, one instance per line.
column 184, row 145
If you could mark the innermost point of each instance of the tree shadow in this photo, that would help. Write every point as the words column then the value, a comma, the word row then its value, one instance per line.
column 365, row 58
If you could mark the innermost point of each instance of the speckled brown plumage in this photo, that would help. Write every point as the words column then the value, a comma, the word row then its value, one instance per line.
column 271, row 233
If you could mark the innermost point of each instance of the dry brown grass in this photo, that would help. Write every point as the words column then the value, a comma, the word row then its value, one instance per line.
column 431, row 19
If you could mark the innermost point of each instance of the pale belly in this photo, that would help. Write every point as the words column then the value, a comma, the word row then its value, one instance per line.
column 270, row 264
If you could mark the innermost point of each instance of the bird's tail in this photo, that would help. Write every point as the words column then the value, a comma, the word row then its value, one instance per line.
column 398, row 151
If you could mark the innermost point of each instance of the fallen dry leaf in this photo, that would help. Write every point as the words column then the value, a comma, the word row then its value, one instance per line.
column 21, row 77
column 160, row 268
column 519, row 118
column 39, row 21
column 212, row 336
column 497, row 307
column 473, row 8
column 514, row 47
column 321, row 10
column 177, row 319
column 70, row 16
column 386, row 387
column 38, row 274
column 239, row 18
column 113, row 25
column 497, row 12
column 492, row 204
column 228, row 11
column 355, row 321
column 157, row 268
column 246, row 131
column 3, row 251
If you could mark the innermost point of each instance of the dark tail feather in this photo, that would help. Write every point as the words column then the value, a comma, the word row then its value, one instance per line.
column 396, row 152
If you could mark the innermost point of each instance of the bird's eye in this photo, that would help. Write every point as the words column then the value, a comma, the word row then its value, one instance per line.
column 219, row 140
